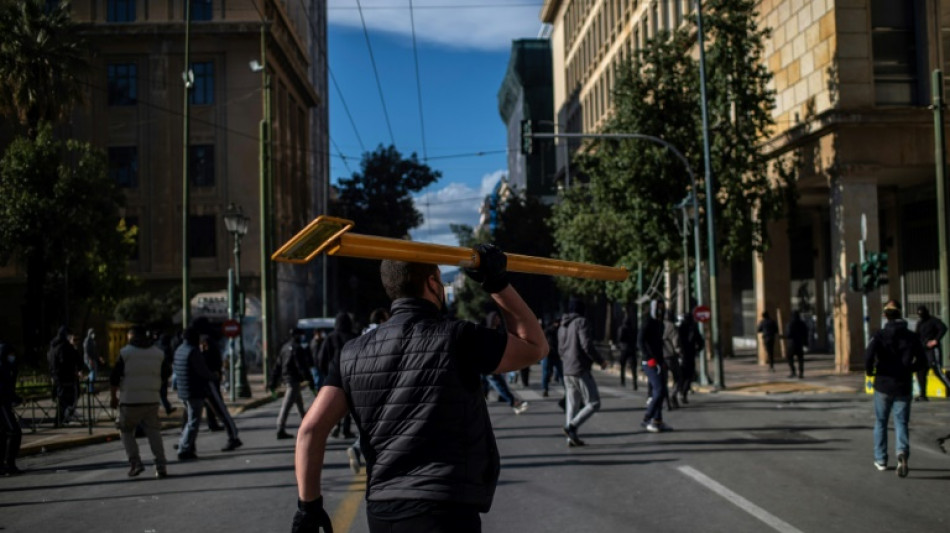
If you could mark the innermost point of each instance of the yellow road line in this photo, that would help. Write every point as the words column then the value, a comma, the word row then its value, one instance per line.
column 345, row 513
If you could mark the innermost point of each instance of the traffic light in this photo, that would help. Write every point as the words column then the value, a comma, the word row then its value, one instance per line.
column 881, row 269
column 867, row 274
column 527, row 141
column 853, row 279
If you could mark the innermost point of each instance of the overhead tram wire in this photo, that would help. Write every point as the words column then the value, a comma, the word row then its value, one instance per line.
column 415, row 55
column 379, row 85
column 340, row 154
column 445, row 6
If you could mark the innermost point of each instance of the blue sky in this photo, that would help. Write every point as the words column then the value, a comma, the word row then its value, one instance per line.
column 463, row 48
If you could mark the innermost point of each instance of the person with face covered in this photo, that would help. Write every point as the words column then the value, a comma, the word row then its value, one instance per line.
column 413, row 386
column 651, row 340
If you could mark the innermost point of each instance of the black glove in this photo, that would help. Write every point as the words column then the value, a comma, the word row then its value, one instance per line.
column 492, row 271
column 311, row 517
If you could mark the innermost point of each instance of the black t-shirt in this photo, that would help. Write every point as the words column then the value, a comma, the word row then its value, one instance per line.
column 478, row 351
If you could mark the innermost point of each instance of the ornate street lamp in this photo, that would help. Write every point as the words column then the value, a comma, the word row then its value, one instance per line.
column 236, row 223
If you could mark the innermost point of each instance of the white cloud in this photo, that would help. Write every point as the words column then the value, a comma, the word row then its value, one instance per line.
column 456, row 203
column 463, row 25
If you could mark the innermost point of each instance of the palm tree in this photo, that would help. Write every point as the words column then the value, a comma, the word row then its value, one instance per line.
column 42, row 56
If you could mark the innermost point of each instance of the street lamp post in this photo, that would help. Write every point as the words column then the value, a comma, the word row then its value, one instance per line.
column 236, row 222
column 188, row 79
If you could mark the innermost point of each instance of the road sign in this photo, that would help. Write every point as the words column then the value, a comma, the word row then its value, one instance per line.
column 231, row 328
column 702, row 314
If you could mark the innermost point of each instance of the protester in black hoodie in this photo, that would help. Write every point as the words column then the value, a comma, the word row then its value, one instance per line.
column 654, row 367
column 330, row 349
column 931, row 330
column 892, row 356
column 65, row 365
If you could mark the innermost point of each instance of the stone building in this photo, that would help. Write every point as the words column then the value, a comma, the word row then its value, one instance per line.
column 852, row 82
column 133, row 111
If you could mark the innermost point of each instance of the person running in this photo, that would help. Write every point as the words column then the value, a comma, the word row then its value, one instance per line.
column 432, row 460
column 653, row 365
column 892, row 356
column 575, row 343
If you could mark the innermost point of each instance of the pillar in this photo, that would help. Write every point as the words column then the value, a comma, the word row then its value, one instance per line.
column 773, row 279
column 850, row 198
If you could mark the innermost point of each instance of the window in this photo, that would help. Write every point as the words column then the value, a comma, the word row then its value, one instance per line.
column 202, row 92
column 899, row 51
column 201, row 165
column 120, row 11
column 200, row 10
column 124, row 166
column 201, row 236
column 122, row 84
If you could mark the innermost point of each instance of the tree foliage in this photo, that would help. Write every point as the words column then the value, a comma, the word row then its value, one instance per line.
column 378, row 199
column 42, row 58
column 624, row 215
column 60, row 217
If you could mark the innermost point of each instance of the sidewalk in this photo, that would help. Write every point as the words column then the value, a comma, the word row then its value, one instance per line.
column 743, row 375
column 48, row 438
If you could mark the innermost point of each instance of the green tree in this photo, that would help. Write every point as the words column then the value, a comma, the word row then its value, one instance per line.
column 42, row 58
column 471, row 302
column 60, row 219
column 378, row 199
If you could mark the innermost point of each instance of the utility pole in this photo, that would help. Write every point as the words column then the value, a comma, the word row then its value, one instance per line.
column 862, row 255
column 265, row 171
column 710, row 193
column 188, row 79
column 940, row 160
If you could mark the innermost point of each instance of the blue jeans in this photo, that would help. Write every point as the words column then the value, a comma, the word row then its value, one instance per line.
column 498, row 383
column 657, row 378
column 546, row 371
column 189, row 433
column 884, row 404
column 317, row 378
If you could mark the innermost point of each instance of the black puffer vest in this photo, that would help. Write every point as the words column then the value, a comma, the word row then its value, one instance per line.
column 425, row 437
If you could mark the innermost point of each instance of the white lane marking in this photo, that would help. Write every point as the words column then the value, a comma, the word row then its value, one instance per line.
column 776, row 523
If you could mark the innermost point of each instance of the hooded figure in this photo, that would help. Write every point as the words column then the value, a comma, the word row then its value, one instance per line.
column 654, row 366
column 931, row 330
column 575, row 343
column 65, row 363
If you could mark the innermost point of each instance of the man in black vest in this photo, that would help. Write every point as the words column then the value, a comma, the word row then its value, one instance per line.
column 431, row 460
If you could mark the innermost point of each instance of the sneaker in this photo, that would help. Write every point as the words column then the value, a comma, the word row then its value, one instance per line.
column 653, row 428
column 544, row 393
column 902, row 465
column 355, row 463
column 572, row 438
column 520, row 407
column 662, row 426
column 232, row 445
column 136, row 468
column 284, row 435
column 880, row 466
column 940, row 445
column 161, row 472
column 187, row 456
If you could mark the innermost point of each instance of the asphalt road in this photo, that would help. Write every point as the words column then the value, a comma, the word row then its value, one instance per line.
column 733, row 463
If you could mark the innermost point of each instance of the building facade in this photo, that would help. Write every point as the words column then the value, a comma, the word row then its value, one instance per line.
column 134, row 111
column 852, row 83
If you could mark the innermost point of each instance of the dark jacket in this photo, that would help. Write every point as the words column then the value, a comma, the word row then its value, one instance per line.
column 627, row 338
column 550, row 334
column 425, row 434
column 769, row 329
column 333, row 344
column 797, row 334
column 650, row 338
column 892, row 357
column 291, row 365
column 690, row 339
column 191, row 373
column 65, row 360
column 575, row 344
column 930, row 328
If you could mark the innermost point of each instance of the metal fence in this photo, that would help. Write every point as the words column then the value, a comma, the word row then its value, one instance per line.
column 40, row 406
